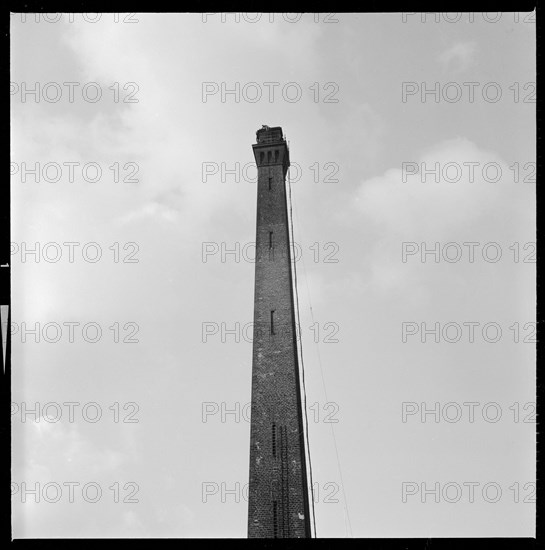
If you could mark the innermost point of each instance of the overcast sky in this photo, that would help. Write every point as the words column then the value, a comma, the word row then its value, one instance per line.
column 169, row 145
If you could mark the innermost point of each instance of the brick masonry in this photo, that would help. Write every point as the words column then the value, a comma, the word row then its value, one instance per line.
column 278, row 504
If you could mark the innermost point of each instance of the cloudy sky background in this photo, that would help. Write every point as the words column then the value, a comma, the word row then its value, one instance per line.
column 170, row 453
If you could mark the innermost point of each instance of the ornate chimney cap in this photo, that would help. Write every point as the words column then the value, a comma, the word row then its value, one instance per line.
column 269, row 135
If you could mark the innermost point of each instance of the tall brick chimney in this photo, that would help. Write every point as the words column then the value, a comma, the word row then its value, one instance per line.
column 278, row 503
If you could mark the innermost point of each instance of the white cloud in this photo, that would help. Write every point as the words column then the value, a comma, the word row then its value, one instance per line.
column 458, row 58
column 463, row 205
